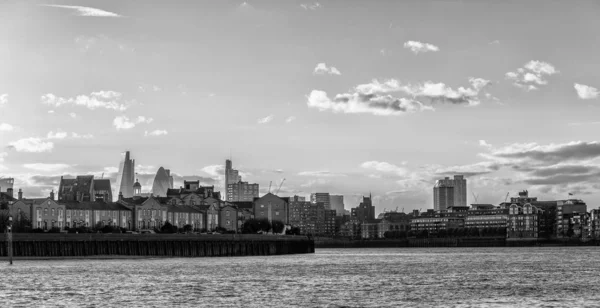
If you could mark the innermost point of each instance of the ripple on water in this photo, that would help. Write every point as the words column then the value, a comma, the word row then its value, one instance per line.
column 390, row 277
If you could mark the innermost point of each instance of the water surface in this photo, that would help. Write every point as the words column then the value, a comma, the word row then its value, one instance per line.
column 386, row 277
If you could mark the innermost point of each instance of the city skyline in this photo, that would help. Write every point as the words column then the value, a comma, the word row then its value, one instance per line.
column 338, row 98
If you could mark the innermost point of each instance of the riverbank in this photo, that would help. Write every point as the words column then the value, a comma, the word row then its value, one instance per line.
column 92, row 245
column 449, row 242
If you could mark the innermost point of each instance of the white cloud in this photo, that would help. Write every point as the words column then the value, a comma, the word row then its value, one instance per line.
column 322, row 173
column 57, row 135
column 382, row 105
column 418, row 47
column 50, row 111
column 77, row 136
column 111, row 169
column 2, row 155
column 5, row 127
column 123, row 122
column 479, row 83
column 290, row 119
column 385, row 167
column 533, row 72
column 266, row 119
column 494, row 42
column 215, row 171
column 3, row 99
column 32, row 145
column 148, row 88
column 85, row 11
column 143, row 119
column 101, row 99
column 322, row 68
column 311, row 7
column 73, row 115
column 483, row 143
column 586, row 92
column 156, row 133
column 47, row 167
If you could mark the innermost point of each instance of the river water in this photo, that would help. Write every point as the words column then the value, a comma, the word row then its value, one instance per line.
column 386, row 277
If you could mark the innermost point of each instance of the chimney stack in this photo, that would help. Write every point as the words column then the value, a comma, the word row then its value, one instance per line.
column 20, row 194
column 9, row 191
column 52, row 195
column 120, row 195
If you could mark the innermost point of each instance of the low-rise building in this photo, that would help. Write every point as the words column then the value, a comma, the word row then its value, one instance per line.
column 523, row 221
column 433, row 224
column 228, row 217
column 272, row 208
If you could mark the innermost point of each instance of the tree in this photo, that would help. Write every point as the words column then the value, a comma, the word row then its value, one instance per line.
column 255, row 225
column 168, row 228
column 188, row 228
column 277, row 226
column 293, row 231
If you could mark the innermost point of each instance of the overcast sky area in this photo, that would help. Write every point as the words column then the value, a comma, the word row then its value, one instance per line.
column 346, row 97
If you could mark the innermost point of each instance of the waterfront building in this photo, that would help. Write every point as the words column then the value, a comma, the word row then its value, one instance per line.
column 450, row 192
column 594, row 224
column 321, row 197
column 523, row 221
column 84, row 188
column 46, row 213
column 569, row 218
column 97, row 214
column 228, row 217
column 484, row 217
column 181, row 216
column 369, row 228
column 271, row 207
column 337, row 204
column 147, row 212
column 433, row 224
column 126, row 176
column 163, row 181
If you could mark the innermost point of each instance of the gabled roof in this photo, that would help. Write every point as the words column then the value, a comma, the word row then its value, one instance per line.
column 102, row 184
column 181, row 209
column 243, row 204
column 94, row 205
column 135, row 200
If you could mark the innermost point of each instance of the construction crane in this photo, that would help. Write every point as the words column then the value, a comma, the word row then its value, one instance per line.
column 475, row 196
column 506, row 198
column 280, row 184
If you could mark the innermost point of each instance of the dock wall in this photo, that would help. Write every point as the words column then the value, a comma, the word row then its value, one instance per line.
column 155, row 245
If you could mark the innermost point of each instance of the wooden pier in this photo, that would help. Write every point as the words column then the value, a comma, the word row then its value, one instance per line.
column 154, row 245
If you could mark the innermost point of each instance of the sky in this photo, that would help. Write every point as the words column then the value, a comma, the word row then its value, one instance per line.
column 345, row 97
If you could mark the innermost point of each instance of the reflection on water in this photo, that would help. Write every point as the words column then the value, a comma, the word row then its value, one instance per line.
column 387, row 277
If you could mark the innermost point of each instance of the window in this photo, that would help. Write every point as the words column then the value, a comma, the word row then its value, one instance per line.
column 227, row 214
column 277, row 213
column 45, row 211
column 228, row 222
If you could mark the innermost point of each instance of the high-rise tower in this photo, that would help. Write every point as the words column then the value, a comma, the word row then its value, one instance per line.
column 125, row 179
column 450, row 192
column 235, row 189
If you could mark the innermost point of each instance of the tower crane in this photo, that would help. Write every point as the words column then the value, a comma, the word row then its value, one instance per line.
column 506, row 198
column 475, row 196
column 280, row 184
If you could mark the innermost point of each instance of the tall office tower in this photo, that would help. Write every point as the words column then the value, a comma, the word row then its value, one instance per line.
column 232, row 176
column 450, row 192
column 460, row 191
column 125, row 179
column 337, row 204
column 162, row 181
column 235, row 189
column 321, row 197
